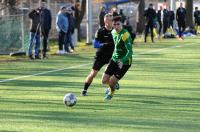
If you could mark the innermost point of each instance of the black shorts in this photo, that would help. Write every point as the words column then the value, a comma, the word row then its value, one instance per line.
column 99, row 62
column 113, row 69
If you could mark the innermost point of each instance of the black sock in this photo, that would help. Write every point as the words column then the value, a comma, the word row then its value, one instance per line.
column 86, row 86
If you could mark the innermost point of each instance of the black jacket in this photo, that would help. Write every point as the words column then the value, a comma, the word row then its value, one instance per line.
column 150, row 15
column 171, row 16
column 159, row 16
column 165, row 15
column 35, row 21
column 197, row 16
column 71, row 21
column 45, row 19
column 180, row 14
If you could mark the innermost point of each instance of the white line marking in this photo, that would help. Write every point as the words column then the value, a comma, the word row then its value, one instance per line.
column 42, row 73
column 159, row 50
column 72, row 67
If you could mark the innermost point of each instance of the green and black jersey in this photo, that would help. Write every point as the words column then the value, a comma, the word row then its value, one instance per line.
column 123, row 47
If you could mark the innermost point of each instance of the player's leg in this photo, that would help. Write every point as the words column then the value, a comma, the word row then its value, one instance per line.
column 97, row 65
column 112, row 82
column 118, row 74
column 105, row 78
column 88, row 81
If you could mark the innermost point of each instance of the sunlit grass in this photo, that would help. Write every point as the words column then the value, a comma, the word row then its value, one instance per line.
column 160, row 92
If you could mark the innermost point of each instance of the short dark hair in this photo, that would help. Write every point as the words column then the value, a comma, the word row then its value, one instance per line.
column 43, row 1
column 117, row 18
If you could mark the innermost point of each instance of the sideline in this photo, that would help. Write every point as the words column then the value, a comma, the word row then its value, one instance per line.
column 72, row 67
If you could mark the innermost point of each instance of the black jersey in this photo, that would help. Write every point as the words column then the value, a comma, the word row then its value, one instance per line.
column 104, row 36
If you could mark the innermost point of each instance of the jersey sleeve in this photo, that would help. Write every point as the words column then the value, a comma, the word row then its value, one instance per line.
column 128, row 44
column 98, row 35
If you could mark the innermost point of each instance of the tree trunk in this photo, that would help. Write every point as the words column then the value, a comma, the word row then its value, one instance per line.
column 79, row 14
column 141, row 22
column 189, row 15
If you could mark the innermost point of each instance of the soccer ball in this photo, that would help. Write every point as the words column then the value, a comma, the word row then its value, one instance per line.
column 70, row 99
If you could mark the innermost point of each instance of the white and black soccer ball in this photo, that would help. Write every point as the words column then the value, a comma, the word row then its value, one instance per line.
column 70, row 99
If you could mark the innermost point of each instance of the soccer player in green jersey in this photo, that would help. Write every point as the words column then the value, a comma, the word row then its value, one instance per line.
column 121, row 58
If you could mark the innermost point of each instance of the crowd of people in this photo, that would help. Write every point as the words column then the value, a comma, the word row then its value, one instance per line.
column 163, row 20
column 41, row 21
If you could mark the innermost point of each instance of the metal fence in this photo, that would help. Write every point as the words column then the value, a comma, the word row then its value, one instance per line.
column 13, row 35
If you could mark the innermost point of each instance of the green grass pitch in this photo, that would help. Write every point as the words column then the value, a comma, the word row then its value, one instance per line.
column 160, row 92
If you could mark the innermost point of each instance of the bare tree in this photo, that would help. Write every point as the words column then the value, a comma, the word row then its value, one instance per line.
column 10, row 4
column 141, row 22
column 189, row 15
column 80, row 9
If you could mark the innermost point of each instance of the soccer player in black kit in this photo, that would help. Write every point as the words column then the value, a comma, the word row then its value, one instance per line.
column 150, row 15
column 180, row 17
column 103, row 38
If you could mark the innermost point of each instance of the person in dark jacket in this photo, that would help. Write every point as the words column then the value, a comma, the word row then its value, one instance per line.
column 165, row 20
column 171, row 18
column 34, row 15
column 160, row 19
column 71, row 28
column 128, row 27
column 197, row 17
column 180, row 17
column 101, row 17
column 150, row 15
column 45, row 20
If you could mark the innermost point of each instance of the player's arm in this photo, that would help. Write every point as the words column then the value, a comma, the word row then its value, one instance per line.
column 128, row 43
column 97, row 39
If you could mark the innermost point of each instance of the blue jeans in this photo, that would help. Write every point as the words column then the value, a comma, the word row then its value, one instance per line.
column 69, row 40
column 66, row 42
column 34, row 39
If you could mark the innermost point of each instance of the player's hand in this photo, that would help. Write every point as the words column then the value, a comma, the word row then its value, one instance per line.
column 120, row 64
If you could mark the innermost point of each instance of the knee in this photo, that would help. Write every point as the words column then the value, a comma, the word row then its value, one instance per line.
column 105, row 81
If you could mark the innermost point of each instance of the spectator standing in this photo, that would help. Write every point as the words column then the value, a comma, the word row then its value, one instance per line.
column 180, row 17
column 45, row 20
column 129, row 28
column 171, row 18
column 114, row 11
column 121, row 13
column 101, row 17
column 77, row 15
column 34, row 15
column 62, row 25
column 70, row 29
column 150, row 15
column 165, row 20
column 197, row 18
column 160, row 20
